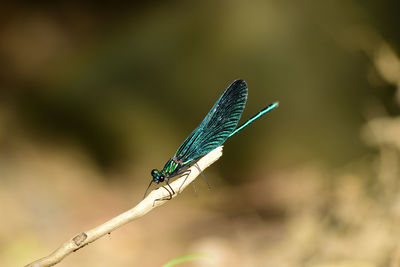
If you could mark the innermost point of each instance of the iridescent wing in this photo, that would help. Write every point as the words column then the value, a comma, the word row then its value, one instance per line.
column 217, row 126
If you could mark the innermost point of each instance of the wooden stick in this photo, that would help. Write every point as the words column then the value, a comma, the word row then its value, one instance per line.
column 150, row 202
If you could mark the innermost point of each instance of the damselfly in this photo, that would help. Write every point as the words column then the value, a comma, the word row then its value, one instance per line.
column 219, row 125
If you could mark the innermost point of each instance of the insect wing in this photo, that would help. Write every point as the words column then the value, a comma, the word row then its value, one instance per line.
column 217, row 126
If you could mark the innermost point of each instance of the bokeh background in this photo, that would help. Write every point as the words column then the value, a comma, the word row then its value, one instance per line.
column 95, row 95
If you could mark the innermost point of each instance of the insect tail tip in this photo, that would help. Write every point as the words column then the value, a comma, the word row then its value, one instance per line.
column 275, row 104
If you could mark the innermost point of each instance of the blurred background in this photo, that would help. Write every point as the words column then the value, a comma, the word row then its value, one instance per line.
column 95, row 95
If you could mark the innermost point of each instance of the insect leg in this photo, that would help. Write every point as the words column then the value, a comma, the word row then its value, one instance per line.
column 171, row 193
column 202, row 175
column 187, row 172
column 147, row 189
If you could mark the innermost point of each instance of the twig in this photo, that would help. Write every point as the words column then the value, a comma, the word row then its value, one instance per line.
column 146, row 205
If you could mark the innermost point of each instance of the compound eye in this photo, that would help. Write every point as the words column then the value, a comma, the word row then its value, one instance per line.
column 162, row 177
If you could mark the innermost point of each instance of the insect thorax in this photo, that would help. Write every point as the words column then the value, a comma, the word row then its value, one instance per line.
column 171, row 167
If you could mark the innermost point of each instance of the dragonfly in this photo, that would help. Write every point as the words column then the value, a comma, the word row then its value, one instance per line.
column 219, row 125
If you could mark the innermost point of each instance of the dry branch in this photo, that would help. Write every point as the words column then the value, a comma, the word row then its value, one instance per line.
column 82, row 239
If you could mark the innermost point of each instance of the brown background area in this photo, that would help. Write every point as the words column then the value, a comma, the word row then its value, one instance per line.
column 93, row 96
